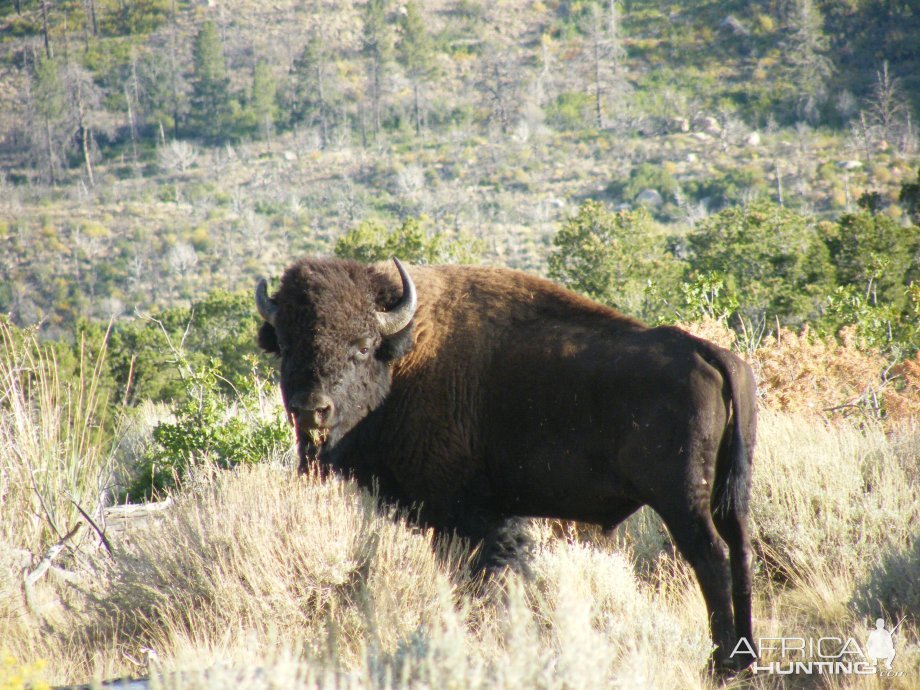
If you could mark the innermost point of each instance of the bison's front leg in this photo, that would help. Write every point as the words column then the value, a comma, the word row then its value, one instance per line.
column 503, row 542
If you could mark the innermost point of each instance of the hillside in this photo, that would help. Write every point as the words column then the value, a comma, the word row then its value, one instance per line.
column 124, row 186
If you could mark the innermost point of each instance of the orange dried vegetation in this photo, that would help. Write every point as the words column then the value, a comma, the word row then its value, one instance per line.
column 808, row 374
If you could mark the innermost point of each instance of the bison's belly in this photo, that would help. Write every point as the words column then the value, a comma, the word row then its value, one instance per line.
column 564, row 485
column 582, row 454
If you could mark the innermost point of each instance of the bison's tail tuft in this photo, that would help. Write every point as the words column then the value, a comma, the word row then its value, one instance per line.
column 733, row 478
column 732, row 486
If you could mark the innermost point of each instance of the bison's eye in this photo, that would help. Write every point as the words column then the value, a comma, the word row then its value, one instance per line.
column 362, row 348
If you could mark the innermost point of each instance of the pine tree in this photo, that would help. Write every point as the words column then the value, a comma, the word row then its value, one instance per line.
column 211, row 109
column 415, row 54
column 48, row 102
column 263, row 108
column 314, row 93
column 808, row 64
column 161, row 90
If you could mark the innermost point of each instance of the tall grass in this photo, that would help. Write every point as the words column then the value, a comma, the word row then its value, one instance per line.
column 255, row 560
column 836, row 498
column 54, row 454
column 55, row 460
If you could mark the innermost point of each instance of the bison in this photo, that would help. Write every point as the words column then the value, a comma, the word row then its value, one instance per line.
column 486, row 395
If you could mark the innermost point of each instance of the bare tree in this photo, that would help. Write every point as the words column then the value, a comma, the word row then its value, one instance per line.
column 177, row 156
column 500, row 84
column 604, row 52
column 85, row 112
column 886, row 109
column 132, row 99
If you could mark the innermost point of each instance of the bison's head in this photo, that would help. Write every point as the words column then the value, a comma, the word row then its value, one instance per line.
column 338, row 326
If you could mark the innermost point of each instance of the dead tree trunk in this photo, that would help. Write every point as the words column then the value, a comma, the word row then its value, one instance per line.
column 44, row 7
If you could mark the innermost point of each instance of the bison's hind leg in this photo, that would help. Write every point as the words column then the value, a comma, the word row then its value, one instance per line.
column 732, row 525
column 696, row 538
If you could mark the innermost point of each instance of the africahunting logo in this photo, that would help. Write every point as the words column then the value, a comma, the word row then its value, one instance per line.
column 824, row 655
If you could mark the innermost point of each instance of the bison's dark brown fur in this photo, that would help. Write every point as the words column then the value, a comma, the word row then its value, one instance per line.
column 509, row 396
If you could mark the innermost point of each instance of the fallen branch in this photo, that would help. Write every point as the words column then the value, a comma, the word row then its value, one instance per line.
column 105, row 542
column 30, row 578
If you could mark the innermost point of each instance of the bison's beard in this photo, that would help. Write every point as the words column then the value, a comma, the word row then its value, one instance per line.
column 310, row 443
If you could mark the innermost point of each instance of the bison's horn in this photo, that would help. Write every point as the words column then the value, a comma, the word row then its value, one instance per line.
column 267, row 308
column 393, row 321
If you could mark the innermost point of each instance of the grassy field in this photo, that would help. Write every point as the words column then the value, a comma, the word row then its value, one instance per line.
column 257, row 578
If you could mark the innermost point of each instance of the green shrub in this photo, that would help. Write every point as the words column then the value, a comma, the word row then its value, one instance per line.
column 223, row 325
column 569, row 110
column 611, row 257
column 644, row 176
column 136, row 17
column 371, row 241
column 212, row 426
column 876, row 254
column 773, row 260
column 728, row 188
column 909, row 198
column 704, row 297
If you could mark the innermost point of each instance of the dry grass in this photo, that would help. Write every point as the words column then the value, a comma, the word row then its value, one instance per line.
column 52, row 454
column 256, row 578
column 52, row 460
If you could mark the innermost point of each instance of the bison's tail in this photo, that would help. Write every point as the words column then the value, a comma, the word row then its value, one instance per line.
column 732, row 486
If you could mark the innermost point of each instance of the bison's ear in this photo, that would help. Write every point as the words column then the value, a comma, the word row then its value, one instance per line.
column 395, row 346
column 388, row 294
column 268, row 339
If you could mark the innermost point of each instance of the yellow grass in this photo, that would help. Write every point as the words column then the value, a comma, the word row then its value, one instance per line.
column 257, row 578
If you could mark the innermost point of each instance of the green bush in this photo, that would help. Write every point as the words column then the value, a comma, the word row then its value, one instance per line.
column 570, row 110
column 729, row 188
column 705, row 297
column 612, row 257
column 644, row 176
column 773, row 260
column 143, row 352
column 371, row 241
column 135, row 17
column 211, row 425
column 876, row 254
column 909, row 198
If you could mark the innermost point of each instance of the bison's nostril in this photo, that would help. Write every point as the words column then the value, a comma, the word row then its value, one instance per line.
column 317, row 407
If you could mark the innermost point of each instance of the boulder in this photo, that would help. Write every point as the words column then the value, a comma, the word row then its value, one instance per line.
column 731, row 24
column 707, row 124
column 650, row 198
